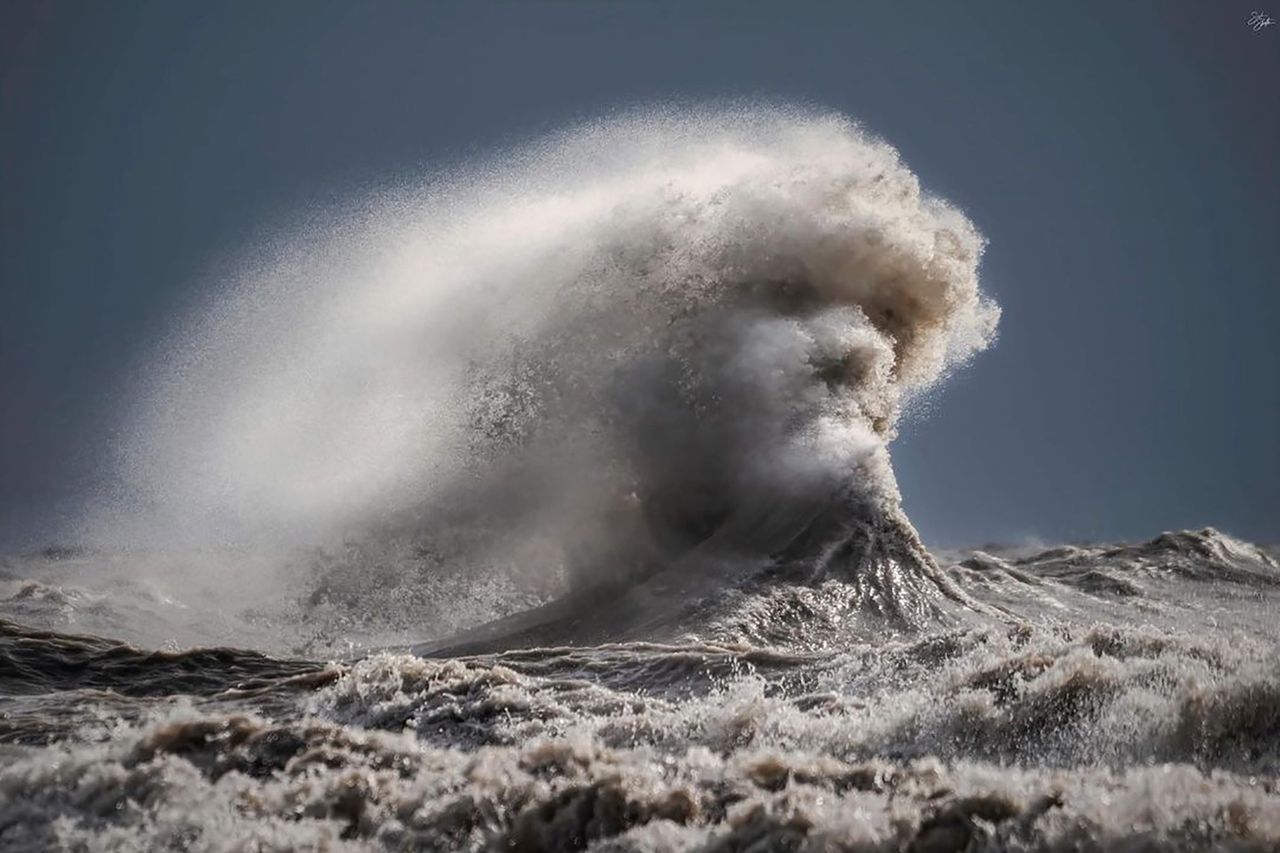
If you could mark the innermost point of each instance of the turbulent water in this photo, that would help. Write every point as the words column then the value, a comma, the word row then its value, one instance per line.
column 554, row 501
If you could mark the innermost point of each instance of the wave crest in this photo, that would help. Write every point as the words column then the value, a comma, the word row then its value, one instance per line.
column 657, row 341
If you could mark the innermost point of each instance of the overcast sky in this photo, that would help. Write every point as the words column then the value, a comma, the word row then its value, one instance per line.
column 1122, row 163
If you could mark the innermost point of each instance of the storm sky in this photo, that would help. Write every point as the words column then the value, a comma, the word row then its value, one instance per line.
column 1121, row 160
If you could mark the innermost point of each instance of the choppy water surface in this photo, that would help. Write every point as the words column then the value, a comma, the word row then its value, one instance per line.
column 1129, row 697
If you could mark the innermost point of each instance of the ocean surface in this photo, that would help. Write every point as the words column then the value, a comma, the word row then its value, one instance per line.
column 1109, row 697
column 549, row 505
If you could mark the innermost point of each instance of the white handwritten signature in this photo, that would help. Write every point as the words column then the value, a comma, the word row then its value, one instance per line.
column 1258, row 20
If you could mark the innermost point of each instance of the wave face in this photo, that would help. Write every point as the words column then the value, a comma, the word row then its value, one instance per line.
column 672, row 344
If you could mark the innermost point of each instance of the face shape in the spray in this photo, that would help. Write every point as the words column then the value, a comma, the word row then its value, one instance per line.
column 741, row 417
column 596, row 317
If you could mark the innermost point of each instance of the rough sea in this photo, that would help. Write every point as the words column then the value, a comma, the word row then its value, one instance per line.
column 548, row 505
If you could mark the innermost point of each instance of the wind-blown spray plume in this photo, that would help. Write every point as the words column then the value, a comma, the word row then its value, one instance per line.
column 671, row 348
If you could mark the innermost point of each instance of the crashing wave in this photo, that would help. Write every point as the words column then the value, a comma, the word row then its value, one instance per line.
column 663, row 353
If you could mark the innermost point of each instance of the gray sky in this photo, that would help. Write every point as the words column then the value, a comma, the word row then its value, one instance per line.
column 1121, row 161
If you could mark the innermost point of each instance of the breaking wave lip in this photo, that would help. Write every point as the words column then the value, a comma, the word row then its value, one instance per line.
column 662, row 354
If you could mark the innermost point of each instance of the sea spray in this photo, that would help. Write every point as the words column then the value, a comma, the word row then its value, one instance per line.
column 678, row 341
